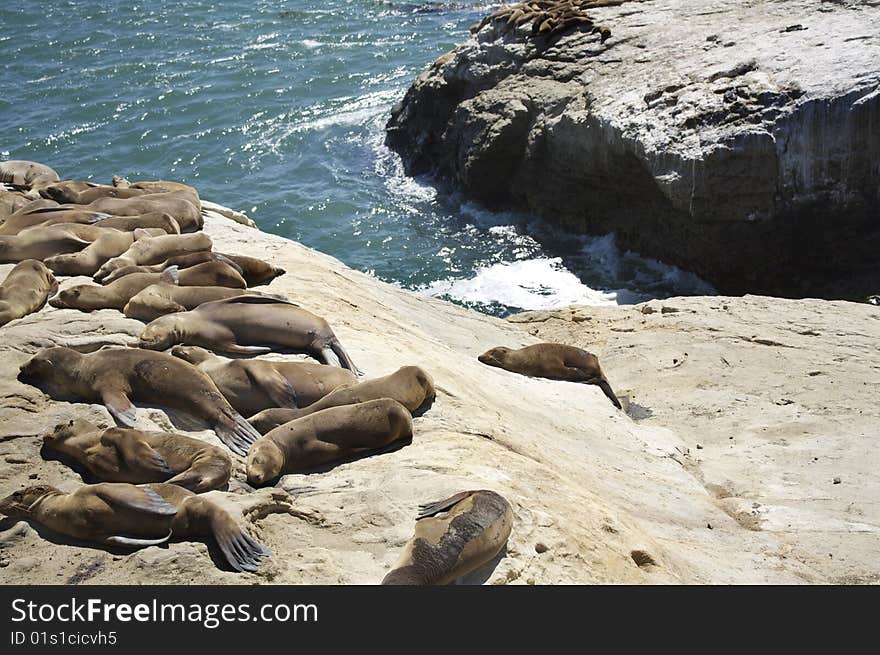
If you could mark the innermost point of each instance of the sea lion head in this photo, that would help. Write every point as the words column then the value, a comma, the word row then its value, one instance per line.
column 63, row 433
column 19, row 504
column 495, row 356
column 265, row 462
column 82, row 296
column 192, row 354
column 158, row 335
column 52, row 364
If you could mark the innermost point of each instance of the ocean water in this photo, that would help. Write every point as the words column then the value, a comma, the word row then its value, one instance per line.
column 278, row 109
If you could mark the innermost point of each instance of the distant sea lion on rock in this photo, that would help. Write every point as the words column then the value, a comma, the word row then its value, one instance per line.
column 116, row 376
column 555, row 361
column 21, row 221
column 25, row 290
column 27, row 174
column 137, row 457
column 160, row 299
column 88, row 260
column 177, row 204
column 82, row 193
column 156, row 250
column 411, row 386
column 211, row 273
column 248, row 324
column 117, row 514
column 42, row 242
column 453, row 537
column 326, row 437
column 11, row 202
column 252, row 385
column 181, row 261
column 254, row 270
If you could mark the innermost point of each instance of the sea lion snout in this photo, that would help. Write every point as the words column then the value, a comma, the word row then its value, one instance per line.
column 66, row 299
column 18, row 503
column 264, row 462
column 156, row 337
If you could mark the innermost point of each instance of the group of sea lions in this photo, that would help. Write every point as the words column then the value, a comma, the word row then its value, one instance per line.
column 142, row 244
column 549, row 17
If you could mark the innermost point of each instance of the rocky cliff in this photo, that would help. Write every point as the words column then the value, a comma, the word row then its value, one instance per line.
column 599, row 496
column 736, row 139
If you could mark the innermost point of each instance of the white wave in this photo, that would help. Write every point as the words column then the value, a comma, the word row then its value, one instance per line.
column 531, row 284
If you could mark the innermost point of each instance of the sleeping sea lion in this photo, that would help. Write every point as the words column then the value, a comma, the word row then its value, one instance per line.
column 21, row 221
column 554, row 361
column 411, row 386
column 42, row 242
column 178, row 204
column 181, row 261
column 88, row 260
column 116, row 376
column 213, row 272
column 159, row 299
column 252, row 385
column 82, row 193
column 25, row 290
column 246, row 324
column 11, row 202
column 118, row 514
column 135, row 456
column 329, row 436
column 156, row 250
column 453, row 537
column 254, row 270
column 27, row 174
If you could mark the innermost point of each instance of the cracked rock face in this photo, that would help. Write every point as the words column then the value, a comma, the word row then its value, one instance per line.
column 736, row 140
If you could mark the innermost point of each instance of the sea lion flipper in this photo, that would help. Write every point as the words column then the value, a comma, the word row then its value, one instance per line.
column 253, row 299
column 608, row 391
column 242, row 551
column 246, row 350
column 432, row 509
column 276, row 386
column 136, row 542
column 135, row 450
column 131, row 497
column 239, row 437
column 119, row 406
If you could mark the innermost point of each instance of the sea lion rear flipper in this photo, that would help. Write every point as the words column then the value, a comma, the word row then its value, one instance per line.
column 606, row 388
column 347, row 362
column 276, row 386
column 131, row 497
column 246, row 350
column 242, row 551
column 119, row 406
column 330, row 357
column 136, row 542
column 432, row 509
column 170, row 276
column 137, row 451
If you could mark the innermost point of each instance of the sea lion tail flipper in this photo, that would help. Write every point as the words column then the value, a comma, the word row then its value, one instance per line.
column 137, row 450
column 606, row 388
column 276, row 386
column 347, row 362
column 120, row 407
column 136, row 542
column 131, row 497
column 432, row 509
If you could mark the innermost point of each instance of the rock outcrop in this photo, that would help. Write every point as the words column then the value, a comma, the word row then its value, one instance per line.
column 598, row 496
column 738, row 140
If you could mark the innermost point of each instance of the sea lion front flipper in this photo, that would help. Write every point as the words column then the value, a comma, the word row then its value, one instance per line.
column 608, row 391
column 432, row 509
column 136, row 542
column 131, row 497
column 119, row 406
column 136, row 451
column 276, row 386
column 246, row 350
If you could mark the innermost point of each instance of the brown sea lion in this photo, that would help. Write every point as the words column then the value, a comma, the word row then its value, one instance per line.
column 453, row 537
column 42, row 242
column 411, row 386
column 105, row 247
column 154, row 186
column 27, row 174
column 119, row 514
column 11, row 202
column 252, row 385
column 176, row 203
column 254, row 270
column 137, row 457
column 116, row 376
column 25, row 290
column 248, row 324
column 159, row 299
column 213, row 272
column 329, row 436
column 156, row 250
column 23, row 220
column 82, row 193
column 181, row 261
column 554, row 361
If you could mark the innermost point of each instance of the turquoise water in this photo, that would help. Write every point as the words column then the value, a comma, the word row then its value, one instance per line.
column 278, row 109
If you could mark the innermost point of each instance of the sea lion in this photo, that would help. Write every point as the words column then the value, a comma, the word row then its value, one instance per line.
column 21, row 221
column 329, row 436
column 116, row 376
column 105, row 247
column 214, row 272
column 119, row 514
column 181, row 261
column 178, row 204
column 159, row 299
column 554, row 361
column 82, row 193
column 255, row 271
column 135, row 456
column 155, row 186
column 411, row 386
column 42, row 242
column 28, row 174
column 25, row 290
column 453, row 537
column 11, row 202
column 155, row 250
column 252, row 385
column 245, row 324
